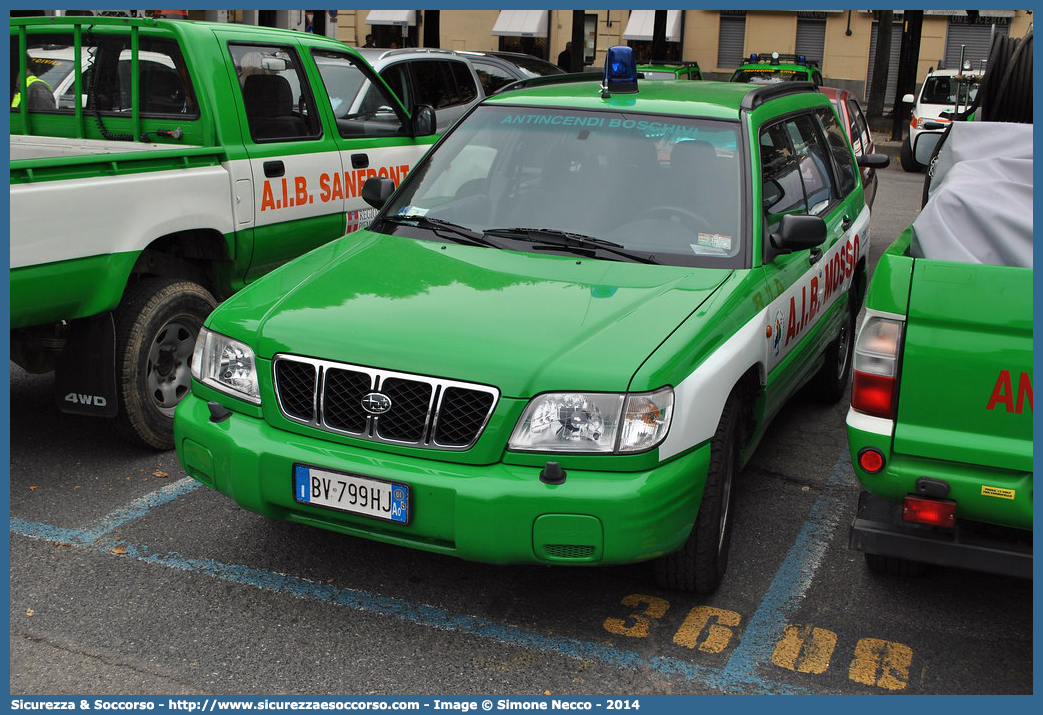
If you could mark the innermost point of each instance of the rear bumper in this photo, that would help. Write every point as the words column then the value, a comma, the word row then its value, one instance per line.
column 878, row 529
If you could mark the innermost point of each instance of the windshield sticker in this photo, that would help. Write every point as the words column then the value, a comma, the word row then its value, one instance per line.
column 409, row 211
column 649, row 128
column 712, row 240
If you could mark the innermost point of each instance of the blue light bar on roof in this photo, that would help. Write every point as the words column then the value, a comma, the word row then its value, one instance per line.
column 620, row 71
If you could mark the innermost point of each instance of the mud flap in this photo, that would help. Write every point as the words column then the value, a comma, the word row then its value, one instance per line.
column 85, row 376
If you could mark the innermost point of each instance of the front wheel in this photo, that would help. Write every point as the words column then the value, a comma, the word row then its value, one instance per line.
column 156, row 328
column 699, row 565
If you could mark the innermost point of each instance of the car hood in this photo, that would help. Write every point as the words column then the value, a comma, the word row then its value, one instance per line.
column 523, row 322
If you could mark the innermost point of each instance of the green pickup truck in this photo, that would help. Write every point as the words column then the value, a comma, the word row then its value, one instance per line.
column 561, row 337
column 159, row 166
column 940, row 425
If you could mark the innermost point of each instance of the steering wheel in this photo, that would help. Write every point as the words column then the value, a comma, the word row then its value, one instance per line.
column 690, row 219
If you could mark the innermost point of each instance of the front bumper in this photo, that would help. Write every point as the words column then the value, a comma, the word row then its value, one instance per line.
column 497, row 513
column 878, row 528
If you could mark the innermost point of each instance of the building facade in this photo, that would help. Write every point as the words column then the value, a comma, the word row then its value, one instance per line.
column 843, row 41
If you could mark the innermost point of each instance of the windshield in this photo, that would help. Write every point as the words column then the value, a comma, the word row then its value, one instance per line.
column 663, row 185
column 942, row 90
column 768, row 76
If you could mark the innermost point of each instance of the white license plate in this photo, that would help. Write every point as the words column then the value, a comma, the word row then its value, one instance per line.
column 351, row 493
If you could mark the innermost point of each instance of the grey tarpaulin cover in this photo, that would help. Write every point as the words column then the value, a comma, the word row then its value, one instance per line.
column 979, row 209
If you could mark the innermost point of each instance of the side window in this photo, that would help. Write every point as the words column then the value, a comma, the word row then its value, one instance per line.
column 397, row 77
column 847, row 171
column 361, row 106
column 782, row 191
column 467, row 91
column 813, row 156
column 442, row 83
column 491, row 76
column 434, row 84
column 859, row 127
column 164, row 84
column 278, row 101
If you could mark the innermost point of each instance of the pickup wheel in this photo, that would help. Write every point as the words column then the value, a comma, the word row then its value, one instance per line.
column 829, row 384
column 906, row 155
column 156, row 328
column 894, row 565
column 699, row 565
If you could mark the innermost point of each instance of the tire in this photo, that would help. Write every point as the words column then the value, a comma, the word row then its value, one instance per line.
column 699, row 565
column 894, row 566
column 829, row 384
column 156, row 327
column 908, row 162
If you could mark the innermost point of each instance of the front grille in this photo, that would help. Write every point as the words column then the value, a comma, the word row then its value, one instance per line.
column 424, row 411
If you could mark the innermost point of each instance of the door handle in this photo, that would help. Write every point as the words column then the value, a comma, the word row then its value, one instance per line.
column 359, row 161
column 273, row 169
column 846, row 222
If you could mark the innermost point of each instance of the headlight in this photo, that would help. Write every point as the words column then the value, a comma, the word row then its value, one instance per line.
column 226, row 365
column 594, row 422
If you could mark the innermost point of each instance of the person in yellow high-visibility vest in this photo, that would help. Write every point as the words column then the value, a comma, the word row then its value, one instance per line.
column 41, row 96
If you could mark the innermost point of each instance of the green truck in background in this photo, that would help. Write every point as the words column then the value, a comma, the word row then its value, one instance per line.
column 940, row 425
column 156, row 168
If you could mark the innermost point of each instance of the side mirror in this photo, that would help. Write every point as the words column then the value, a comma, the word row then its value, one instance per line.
column 377, row 190
column 423, row 121
column 909, row 99
column 874, row 161
column 925, row 145
column 796, row 232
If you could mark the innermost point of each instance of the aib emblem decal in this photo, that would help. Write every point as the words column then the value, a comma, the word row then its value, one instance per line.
column 776, row 335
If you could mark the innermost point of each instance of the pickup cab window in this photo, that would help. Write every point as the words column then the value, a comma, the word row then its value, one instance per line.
column 278, row 102
column 106, row 67
column 362, row 106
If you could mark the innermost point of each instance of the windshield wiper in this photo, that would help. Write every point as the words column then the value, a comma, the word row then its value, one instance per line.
column 440, row 227
column 566, row 239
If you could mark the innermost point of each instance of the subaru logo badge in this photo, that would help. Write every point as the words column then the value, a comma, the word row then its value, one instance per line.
column 376, row 403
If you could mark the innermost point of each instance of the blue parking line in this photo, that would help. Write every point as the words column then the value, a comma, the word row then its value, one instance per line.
column 139, row 508
column 791, row 581
column 739, row 675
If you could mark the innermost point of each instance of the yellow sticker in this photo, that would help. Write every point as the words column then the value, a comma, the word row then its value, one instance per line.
column 987, row 491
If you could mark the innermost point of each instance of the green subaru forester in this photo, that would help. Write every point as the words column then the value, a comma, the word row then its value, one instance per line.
column 560, row 340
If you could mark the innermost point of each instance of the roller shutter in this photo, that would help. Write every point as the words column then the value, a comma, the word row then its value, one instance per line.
column 892, row 73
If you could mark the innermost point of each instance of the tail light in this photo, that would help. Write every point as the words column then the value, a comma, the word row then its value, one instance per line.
column 933, row 512
column 876, row 366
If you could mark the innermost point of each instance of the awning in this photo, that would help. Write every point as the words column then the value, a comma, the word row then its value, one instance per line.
column 641, row 25
column 401, row 18
column 521, row 23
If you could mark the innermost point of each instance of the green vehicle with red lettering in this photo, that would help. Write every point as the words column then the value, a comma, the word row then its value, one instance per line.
column 940, row 425
column 560, row 339
column 157, row 167
column 769, row 68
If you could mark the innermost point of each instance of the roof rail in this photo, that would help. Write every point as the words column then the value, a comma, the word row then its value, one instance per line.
column 764, row 93
column 551, row 79
column 669, row 63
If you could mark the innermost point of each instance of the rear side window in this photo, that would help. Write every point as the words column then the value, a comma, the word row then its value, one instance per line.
column 491, row 76
column 107, row 70
column 275, row 93
column 442, row 83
